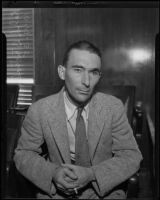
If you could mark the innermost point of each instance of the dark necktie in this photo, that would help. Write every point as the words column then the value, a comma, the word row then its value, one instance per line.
column 82, row 157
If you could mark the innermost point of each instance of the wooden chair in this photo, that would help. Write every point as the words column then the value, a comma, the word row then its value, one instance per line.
column 41, row 91
column 124, row 92
column 14, row 122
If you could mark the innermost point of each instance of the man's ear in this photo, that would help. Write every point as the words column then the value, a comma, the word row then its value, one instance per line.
column 61, row 72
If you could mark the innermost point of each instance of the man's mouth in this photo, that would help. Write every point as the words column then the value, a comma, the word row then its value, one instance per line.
column 84, row 91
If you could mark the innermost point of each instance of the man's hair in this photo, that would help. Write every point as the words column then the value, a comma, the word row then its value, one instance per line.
column 81, row 45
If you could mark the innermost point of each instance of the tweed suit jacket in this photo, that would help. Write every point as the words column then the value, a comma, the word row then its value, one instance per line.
column 113, row 150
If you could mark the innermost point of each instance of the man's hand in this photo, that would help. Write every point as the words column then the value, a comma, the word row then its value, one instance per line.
column 84, row 174
column 65, row 179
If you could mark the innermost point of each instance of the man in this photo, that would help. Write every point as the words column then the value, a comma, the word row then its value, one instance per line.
column 91, row 147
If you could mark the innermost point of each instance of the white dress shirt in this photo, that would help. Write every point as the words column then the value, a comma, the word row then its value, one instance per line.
column 71, row 113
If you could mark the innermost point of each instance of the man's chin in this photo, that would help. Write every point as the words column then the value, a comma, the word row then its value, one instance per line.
column 83, row 99
column 80, row 99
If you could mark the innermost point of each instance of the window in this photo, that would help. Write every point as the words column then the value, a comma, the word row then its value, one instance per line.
column 18, row 26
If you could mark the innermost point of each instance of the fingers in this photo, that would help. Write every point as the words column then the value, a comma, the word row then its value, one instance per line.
column 70, row 174
column 59, row 186
column 68, row 185
column 64, row 190
column 84, row 174
column 69, row 166
column 66, row 179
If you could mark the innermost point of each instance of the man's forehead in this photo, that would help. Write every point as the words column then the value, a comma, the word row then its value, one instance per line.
column 76, row 55
column 81, row 52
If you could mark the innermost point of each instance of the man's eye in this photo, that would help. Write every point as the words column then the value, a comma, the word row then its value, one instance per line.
column 77, row 69
column 95, row 73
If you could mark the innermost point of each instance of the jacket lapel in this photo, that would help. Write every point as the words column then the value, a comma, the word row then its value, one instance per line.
column 95, row 125
column 58, row 126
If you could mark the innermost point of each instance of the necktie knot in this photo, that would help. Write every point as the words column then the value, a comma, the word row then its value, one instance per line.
column 79, row 112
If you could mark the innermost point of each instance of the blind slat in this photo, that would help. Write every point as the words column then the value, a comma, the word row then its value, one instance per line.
column 26, row 67
column 18, row 31
column 20, row 61
column 16, row 11
column 16, row 70
column 18, row 75
column 19, row 27
column 20, row 48
column 25, row 95
column 19, row 43
column 19, row 35
column 19, row 56
column 20, row 39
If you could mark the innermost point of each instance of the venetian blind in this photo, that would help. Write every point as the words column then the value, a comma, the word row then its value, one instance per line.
column 18, row 26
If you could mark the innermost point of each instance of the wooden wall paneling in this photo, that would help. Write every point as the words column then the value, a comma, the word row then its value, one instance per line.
column 44, row 46
column 60, row 41
column 130, row 28
column 84, row 24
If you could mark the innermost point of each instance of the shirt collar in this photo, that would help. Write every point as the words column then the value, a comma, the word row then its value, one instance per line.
column 71, row 108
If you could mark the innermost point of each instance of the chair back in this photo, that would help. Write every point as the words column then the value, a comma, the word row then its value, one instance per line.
column 41, row 91
column 12, row 96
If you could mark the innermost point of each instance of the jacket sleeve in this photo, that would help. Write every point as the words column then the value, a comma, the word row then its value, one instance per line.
column 126, row 155
column 27, row 153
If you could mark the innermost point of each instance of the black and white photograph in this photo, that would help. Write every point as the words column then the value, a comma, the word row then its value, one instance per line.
column 80, row 100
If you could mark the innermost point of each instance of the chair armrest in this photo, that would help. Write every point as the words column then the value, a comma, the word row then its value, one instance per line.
column 11, row 183
column 133, row 186
column 17, row 185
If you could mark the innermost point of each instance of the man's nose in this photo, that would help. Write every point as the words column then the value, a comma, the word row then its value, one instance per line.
column 86, row 79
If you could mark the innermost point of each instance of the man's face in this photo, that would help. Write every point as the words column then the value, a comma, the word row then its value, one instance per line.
column 81, row 75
